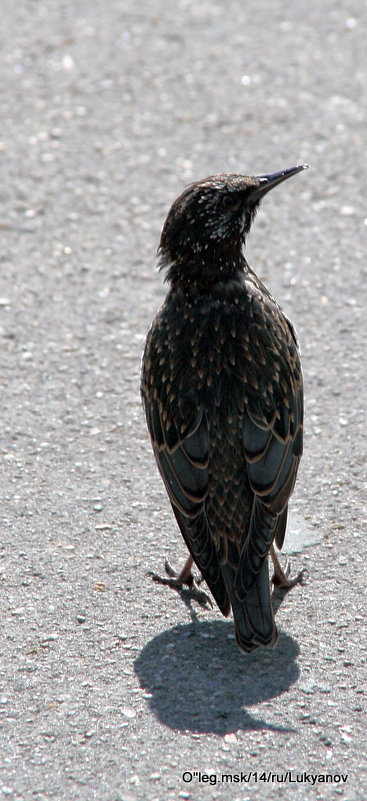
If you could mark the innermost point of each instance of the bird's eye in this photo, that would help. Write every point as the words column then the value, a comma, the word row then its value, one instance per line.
column 231, row 203
column 236, row 204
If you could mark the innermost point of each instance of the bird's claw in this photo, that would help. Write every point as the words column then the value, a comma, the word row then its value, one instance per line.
column 170, row 570
column 180, row 581
column 282, row 581
column 282, row 578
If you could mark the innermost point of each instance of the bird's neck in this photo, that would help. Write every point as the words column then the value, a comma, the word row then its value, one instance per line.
column 201, row 271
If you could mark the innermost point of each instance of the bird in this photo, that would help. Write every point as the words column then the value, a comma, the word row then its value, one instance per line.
column 222, row 389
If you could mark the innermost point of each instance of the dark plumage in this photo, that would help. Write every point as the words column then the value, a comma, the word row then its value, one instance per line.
column 222, row 391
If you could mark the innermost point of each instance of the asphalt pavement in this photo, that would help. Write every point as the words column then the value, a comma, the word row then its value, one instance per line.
column 111, row 686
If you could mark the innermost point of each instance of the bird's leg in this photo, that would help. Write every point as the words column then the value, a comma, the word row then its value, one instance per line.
column 281, row 578
column 282, row 581
column 185, row 578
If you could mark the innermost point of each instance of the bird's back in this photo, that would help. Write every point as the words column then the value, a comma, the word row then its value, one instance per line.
column 222, row 389
column 224, row 352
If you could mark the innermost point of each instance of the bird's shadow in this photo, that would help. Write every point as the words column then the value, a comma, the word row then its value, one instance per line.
column 199, row 681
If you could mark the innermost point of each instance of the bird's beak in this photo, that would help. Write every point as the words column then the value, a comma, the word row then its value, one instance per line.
column 267, row 182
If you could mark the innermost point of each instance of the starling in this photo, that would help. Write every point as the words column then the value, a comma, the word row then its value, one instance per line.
column 223, row 397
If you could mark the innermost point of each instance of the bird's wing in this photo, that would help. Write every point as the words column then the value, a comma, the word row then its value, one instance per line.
column 183, row 459
column 272, row 440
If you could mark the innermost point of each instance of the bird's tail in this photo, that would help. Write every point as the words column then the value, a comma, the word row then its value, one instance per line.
column 253, row 616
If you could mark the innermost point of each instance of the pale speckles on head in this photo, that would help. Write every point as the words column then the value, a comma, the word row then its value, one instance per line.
column 206, row 227
column 209, row 216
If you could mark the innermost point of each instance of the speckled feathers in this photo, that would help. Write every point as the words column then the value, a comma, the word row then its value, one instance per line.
column 222, row 390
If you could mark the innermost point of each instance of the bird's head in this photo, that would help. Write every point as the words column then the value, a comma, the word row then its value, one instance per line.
column 207, row 224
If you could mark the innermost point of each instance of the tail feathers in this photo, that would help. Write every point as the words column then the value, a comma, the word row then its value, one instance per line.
column 199, row 541
column 255, row 549
column 253, row 616
column 280, row 528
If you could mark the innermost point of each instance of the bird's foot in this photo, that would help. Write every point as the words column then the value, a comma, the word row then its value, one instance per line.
column 282, row 579
column 181, row 580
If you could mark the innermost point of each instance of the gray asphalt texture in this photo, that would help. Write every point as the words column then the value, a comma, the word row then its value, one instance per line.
column 113, row 686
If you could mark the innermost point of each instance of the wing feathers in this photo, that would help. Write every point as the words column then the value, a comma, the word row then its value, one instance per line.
column 183, row 465
column 272, row 464
column 202, row 468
